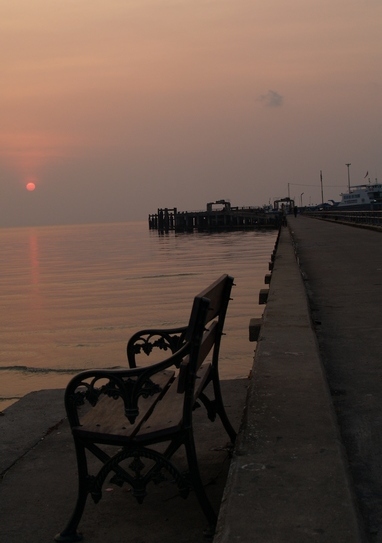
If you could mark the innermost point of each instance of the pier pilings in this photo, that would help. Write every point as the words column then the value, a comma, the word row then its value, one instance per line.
column 228, row 218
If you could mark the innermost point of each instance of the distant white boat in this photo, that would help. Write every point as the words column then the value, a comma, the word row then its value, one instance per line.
column 364, row 196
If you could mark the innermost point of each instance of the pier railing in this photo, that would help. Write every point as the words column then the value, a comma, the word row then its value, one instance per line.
column 370, row 218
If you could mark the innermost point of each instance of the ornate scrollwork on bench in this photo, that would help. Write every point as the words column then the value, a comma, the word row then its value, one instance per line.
column 146, row 341
column 138, row 480
column 164, row 342
column 128, row 389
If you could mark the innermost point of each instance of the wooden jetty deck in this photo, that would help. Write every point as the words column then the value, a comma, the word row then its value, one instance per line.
column 218, row 216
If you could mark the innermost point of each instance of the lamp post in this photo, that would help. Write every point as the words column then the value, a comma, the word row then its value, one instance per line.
column 301, row 199
column 322, row 190
column 348, row 166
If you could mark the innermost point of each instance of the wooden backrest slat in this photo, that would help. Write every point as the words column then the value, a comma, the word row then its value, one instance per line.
column 218, row 294
column 208, row 341
column 215, row 293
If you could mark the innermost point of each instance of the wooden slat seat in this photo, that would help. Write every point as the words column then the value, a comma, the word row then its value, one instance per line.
column 168, row 415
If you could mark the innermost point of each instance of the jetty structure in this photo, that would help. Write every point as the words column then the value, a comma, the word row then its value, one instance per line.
column 218, row 216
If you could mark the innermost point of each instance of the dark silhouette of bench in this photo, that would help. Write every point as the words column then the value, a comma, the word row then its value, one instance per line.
column 135, row 409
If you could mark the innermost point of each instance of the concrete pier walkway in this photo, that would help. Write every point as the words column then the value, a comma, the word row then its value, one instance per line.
column 289, row 480
column 307, row 463
column 342, row 266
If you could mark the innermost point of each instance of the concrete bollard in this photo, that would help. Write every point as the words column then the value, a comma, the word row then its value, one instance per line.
column 254, row 329
column 263, row 296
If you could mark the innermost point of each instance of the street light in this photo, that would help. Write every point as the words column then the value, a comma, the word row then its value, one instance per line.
column 348, row 166
column 322, row 190
column 301, row 199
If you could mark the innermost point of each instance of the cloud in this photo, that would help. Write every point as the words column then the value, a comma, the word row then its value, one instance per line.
column 272, row 99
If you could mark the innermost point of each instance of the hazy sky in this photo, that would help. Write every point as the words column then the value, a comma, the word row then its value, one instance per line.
column 114, row 108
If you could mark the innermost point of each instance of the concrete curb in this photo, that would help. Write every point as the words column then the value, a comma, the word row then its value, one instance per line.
column 27, row 422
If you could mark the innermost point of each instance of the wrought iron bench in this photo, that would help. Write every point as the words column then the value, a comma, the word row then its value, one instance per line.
column 135, row 409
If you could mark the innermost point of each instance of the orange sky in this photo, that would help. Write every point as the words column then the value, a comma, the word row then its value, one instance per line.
column 119, row 107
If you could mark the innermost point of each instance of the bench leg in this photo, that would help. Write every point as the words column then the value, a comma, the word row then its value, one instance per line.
column 70, row 534
column 198, row 486
column 220, row 409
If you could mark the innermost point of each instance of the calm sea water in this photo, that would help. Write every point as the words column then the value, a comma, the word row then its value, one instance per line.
column 72, row 295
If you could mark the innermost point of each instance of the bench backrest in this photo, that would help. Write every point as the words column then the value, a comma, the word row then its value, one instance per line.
column 136, row 384
column 218, row 296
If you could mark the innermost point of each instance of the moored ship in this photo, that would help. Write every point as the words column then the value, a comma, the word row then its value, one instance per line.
column 363, row 197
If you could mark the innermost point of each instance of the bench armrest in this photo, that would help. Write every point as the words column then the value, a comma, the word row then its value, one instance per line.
column 128, row 385
column 146, row 341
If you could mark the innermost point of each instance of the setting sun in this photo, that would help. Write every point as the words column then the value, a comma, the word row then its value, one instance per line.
column 30, row 186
